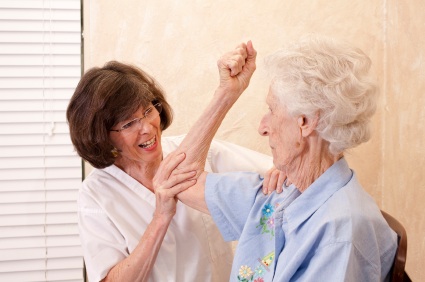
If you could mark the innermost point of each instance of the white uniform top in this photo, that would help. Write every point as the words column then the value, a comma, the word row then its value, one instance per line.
column 114, row 211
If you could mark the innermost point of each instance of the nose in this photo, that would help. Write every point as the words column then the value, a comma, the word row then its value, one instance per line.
column 263, row 128
column 144, row 126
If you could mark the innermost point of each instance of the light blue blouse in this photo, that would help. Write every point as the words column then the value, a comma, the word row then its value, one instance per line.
column 334, row 231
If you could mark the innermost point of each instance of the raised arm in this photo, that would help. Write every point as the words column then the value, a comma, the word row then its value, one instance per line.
column 235, row 70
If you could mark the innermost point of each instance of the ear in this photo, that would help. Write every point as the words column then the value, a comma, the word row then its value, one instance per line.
column 308, row 124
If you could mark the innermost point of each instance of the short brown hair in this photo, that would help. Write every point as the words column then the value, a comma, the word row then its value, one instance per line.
column 104, row 97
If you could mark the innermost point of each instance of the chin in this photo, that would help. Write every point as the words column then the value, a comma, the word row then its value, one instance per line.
column 277, row 163
column 279, row 167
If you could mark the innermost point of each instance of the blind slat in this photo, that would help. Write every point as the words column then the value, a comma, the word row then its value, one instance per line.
column 33, row 128
column 39, row 14
column 74, row 275
column 64, row 205
column 49, row 104
column 38, row 230
column 35, row 94
column 39, row 60
column 39, row 37
column 39, row 173
column 40, row 71
column 8, row 198
column 37, row 151
column 40, row 4
column 40, row 25
column 39, row 253
column 35, row 264
column 36, row 140
column 38, row 82
column 49, row 162
column 39, row 242
column 33, row 115
column 40, row 48
column 40, row 184
column 37, row 219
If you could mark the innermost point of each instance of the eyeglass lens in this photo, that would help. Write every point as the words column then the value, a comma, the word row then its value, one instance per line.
column 150, row 114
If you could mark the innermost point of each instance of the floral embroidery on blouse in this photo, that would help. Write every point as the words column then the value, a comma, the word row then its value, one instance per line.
column 267, row 220
column 246, row 274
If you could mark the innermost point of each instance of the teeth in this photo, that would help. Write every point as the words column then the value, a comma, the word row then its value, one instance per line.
column 149, row 143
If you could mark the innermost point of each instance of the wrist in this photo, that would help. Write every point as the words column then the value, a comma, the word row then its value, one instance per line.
column 226, row 96
column 163, row 219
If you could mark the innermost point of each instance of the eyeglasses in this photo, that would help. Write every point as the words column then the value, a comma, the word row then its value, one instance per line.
column 133, row 125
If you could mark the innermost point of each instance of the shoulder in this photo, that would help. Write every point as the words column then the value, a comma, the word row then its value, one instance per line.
column 227, row 187
column 230, row 179
column 98, row 177
column 101, row 184
column 352, row 215
column 353, row 203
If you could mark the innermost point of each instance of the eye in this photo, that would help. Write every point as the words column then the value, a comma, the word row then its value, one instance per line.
column 130, row 124
column 148, row 112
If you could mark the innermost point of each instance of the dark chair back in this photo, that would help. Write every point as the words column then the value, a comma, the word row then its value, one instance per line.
column 398, row 274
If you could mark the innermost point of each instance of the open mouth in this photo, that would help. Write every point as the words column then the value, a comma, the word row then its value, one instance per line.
column 148, row 143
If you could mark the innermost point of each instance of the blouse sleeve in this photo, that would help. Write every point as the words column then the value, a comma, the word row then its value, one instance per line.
column 102, row 243
column 230, row 198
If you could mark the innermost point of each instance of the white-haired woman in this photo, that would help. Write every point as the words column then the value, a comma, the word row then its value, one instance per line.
column 324, row 226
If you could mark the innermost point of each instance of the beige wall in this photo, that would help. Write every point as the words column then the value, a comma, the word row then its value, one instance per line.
column 179, row 41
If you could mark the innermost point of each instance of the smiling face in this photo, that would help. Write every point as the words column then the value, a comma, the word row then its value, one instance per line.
column 141, row 144
column 283, row 132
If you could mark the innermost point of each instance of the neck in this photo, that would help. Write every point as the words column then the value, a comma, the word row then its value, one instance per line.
column 141, row 171
column 314, row 160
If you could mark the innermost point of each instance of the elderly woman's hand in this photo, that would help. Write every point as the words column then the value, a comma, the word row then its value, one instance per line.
column 273, row 180
column 236, row 68
column 168, row 182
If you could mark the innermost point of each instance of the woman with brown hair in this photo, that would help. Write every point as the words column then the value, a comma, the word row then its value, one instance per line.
column 129, row 231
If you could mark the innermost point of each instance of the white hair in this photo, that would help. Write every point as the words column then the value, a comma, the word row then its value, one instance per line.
column 321, row 75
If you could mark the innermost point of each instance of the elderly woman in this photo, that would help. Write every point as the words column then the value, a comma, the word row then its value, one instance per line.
column 116, row 119
column 324, row 226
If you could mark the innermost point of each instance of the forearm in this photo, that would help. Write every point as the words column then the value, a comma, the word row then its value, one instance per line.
column 235, row 69
column 138, row 265
column 194, row 197
column 197, row 142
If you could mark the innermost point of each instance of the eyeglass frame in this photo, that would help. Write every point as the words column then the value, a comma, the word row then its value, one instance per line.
column 157, row 106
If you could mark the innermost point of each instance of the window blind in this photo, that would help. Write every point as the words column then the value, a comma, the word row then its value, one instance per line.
column 40, row 65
